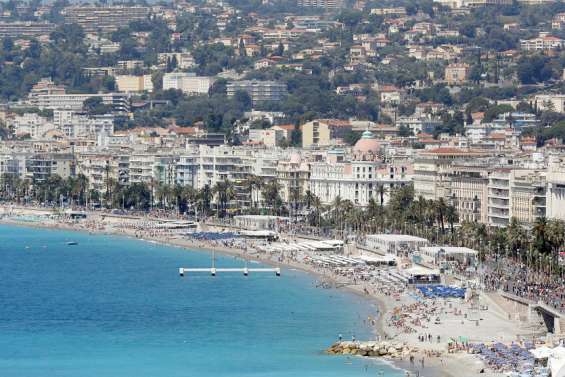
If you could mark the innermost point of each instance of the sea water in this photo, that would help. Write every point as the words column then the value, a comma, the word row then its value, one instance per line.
column 114, row 306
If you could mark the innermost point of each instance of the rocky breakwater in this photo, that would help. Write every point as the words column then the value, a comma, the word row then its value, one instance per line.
column 385, row 349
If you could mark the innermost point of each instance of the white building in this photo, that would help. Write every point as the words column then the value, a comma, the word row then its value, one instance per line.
column 516, row 193
column 118, row 101
column 556, row 189
column 31, row 124
column 394, row 243
column 80, row 124
column 550, row 102
column 360, row 179
column 184, row 60
column 269, row 137
column 189, row 83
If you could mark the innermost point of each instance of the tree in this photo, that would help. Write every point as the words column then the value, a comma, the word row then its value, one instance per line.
column 280, row 49
column 452, row 217
column 95, row 105
column 533, row 69
column 205, row 198
column 224, row 192
column 539, row 231
column 441, row 209
column 69, row 37
column 271, row 194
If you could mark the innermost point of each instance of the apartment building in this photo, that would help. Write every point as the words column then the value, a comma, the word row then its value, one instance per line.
column 259, row 91
column 456, row 73
column 20, row 29
column 104, row 19
column 184, row 60
column 544, row 42
column 80, row 124
column 528, row 196
column 516, row 193
column 468, row 191
column 324, row 132
column 134, row 84
column 152, row 168
column 98, row 169
column 31, row 124
column 293, row 176
column 433, row 170
column 40, row 166
column 203, row 165
column 550, row 102
column 120, row 102
column 556, row 189
column 45, row 86
column 189, row 83
column 323, row 4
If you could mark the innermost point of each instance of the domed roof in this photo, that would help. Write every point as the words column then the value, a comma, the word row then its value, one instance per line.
column 368, row 144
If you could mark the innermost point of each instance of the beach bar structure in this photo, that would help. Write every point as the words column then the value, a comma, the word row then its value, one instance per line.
column 437, row 254
column 379, row 260
column 422, row 275
column 394, row 244
column 75, row 214
column 259, row 234
column 260, row 222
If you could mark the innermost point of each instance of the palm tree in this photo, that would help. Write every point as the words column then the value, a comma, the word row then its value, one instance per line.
column 225, row 192
column 555, row 232
column 253, row 183
column 452, row 217
column 271, row 194
column 539, row 232
column 295, row 197
column 189, row 195
column 382, row 190
column 78, row 187
column 205, row 198
column 316, row 215
column 516, row 235
column 441, row 209
column 177, row 193
column 107, row 170
column 309, row 198
column 336, row 208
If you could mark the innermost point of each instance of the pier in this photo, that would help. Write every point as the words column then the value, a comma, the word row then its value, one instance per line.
column 213, row 270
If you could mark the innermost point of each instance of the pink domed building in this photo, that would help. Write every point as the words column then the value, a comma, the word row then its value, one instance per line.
column 367, row 148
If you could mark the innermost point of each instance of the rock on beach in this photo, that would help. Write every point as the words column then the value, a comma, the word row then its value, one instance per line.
column 371, row 349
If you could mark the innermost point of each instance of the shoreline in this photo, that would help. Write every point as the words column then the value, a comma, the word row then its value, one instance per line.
column 448, row 365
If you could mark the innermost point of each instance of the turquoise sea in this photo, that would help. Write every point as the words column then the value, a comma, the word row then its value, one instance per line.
column 113, row 306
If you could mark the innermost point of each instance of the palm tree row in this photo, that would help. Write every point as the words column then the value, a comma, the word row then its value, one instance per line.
column 53, row 189
column 538, row 246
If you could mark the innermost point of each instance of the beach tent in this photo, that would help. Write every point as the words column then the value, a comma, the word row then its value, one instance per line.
column 556, row 362
column 542, row 352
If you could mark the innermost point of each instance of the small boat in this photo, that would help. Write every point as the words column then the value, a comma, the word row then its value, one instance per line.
column 72, row 243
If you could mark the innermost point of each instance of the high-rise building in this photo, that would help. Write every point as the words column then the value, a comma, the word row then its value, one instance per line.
column 325, row 4
column 259, row 91
column 134, row 84
column 189, row 83
column 25, row 29
column 103, row 19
